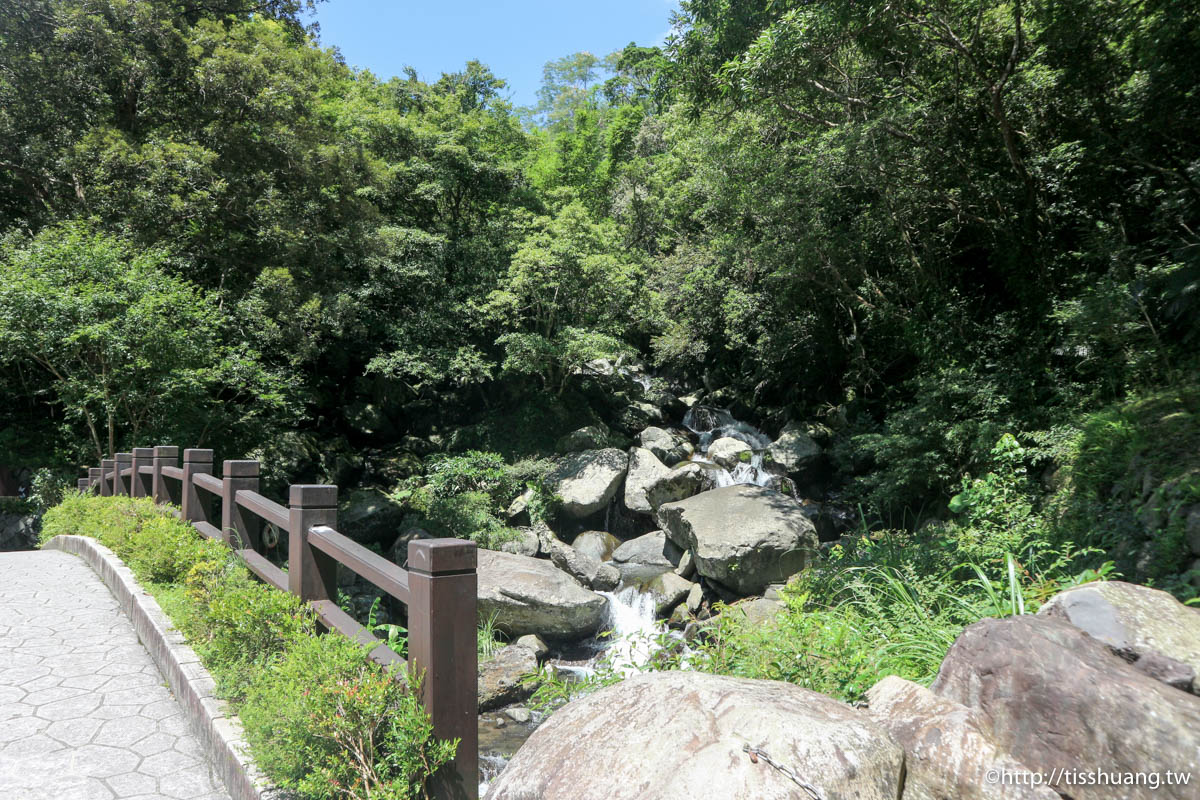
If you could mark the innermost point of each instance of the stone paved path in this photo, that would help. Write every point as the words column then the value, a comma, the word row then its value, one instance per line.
column 84, row 713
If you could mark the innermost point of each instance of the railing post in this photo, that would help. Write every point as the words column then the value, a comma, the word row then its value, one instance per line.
column 442, row 651
column 95, row 479
column 239, row 528
column 139, row 484
column 83, row 484
column 197, row 506
column 161, row 489
column 312, row 575
column 106, row 483
column 120, row 487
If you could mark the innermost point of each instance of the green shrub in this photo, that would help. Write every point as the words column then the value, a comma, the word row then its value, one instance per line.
column 239, row 625
column 473, row 471
column 327, row 723
column 468, row 516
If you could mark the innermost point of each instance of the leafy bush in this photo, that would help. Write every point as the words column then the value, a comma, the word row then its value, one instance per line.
column 238, row 625
column 328, row 723
column 473, row 471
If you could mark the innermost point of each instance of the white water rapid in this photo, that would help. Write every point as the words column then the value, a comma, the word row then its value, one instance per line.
column 710, row 424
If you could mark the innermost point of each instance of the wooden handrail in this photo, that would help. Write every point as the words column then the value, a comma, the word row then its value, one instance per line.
column 208, row 530
column 439, row 587
column 270, row 511
column 375, row 568
column 208, row 483
column 264, row 569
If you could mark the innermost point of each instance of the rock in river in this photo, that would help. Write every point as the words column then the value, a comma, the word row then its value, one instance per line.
column 744, row 537
column 587, row 481
column 531, row 595
column 645, row 470
column 683, row 735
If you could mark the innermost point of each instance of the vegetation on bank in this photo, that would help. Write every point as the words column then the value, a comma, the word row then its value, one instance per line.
column 320, row 718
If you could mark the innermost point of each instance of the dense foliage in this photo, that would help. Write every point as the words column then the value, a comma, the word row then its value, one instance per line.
column 924, row 224
column 321, row 718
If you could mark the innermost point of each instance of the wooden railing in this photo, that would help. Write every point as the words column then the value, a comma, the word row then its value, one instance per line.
column 439, row 585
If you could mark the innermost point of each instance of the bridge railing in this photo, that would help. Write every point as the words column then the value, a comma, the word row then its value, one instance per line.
column 438, row 586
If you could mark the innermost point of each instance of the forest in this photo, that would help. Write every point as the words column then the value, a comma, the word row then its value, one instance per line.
column 847, row 344
column 918, row 226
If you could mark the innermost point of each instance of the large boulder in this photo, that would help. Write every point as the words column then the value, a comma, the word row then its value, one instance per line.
column 1143, row 625
column 597, row 544
column 645, row 470
column 583, row 567
column 795, row 451
column 674, row 735
column 729, row 452
column 681, row 482
column 587, row 481
column 531, row 595
column 1060, row 702
column 646, row 557
column 744, row 537
column 947, row 756
column 591, row 437
column 638, row 415
column 500, row 677
column 668, row 590
column 670, row 448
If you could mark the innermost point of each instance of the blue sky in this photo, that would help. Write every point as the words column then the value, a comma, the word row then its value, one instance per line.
column 513, row 37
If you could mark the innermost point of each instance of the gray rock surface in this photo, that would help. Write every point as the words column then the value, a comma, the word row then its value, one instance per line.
column 597, row 544
column 680, row 735
column 681, row 482
column 795, row 451
column 639, row 415
column 745, row 537
column 591, row 437
column 526, row 544
column 645, row 470
column 668, row 591
column 84, row 709
column 531, row 595
column 587, row 481
column 646, row 557
column 1054, row 698
column 729, row 452
column 1146, row 625
column 500, row 677
column 534, row 643
column 947, row 756
column 585, row 568
column 670, row 448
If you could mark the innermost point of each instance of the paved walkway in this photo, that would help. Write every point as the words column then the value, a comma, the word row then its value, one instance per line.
column 84, row 713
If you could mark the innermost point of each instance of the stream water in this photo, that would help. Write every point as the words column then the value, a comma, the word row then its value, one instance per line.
column 634, row 632
column 711, row 424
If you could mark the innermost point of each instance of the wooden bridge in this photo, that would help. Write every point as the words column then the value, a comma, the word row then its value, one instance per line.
column 438, row 586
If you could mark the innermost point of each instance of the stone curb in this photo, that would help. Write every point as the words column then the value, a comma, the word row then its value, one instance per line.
column 219, row 730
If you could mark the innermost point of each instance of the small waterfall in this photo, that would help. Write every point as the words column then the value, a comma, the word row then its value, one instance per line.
column 710, row 424
column 490, row 767
column 634, row 629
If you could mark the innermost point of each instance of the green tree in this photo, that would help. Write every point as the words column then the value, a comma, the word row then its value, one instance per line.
column 132, row 354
